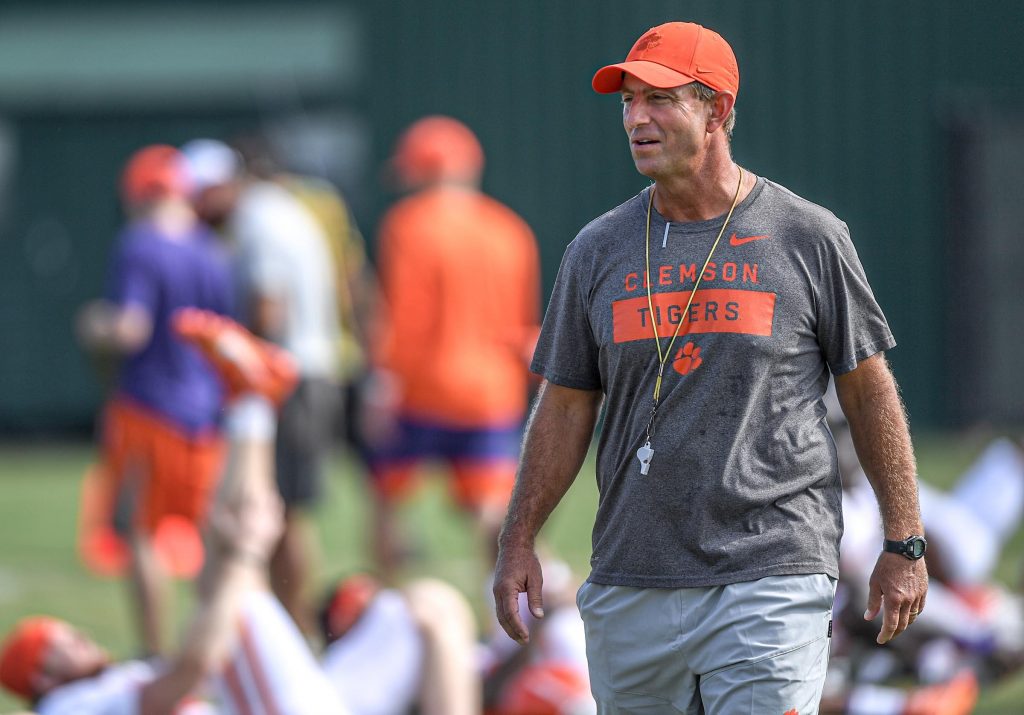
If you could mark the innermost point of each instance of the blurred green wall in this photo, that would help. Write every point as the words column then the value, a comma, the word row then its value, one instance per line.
column 846, row 103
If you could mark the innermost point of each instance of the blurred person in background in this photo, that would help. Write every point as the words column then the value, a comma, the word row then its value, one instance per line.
column 459, row 280
column 396, row 650
column 391, row 651
column 287, row 294
column 241, row 652
column 161, row 448
column 355, row 280
column 973, row 630
column 386, row 650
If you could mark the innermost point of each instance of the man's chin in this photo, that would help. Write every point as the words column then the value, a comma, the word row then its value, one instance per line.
column 646, row 165
column 646, row 170
column 92, row 670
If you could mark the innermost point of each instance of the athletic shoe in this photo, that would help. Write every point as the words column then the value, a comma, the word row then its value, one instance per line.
column 243, row 361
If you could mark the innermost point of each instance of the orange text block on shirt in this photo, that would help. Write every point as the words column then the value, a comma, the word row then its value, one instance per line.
column 713, row 310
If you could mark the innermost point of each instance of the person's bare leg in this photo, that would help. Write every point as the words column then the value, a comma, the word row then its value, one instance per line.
column 388, row 548
column 292, row 566
column 247, row 517
column 487, row 519
column 250, row 426
column 148, row 583
column 482, row 491
column 249, row 464
column 451, row 684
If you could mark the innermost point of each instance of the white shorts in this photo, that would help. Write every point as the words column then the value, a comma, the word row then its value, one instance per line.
column 272, row 671
column 753, row 647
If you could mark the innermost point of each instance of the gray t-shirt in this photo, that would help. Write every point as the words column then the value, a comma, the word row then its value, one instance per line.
column 744, row 481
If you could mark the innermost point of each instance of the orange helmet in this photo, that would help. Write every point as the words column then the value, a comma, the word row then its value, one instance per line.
column 23, row 653
column 154, row 172
column 437, row 148
column 547, row 689
column 346, row 603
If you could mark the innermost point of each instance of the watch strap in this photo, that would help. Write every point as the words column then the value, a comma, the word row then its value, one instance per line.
column 906, row 547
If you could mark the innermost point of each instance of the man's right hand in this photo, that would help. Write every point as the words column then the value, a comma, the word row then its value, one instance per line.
column 517, row 571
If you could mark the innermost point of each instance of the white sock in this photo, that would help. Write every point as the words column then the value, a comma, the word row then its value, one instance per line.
column 993, row 488
column 251, row 417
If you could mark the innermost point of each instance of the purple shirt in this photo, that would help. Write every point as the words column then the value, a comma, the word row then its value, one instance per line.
column 162, row 275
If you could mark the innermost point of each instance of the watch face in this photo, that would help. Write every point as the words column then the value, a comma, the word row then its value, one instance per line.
column 916, row 548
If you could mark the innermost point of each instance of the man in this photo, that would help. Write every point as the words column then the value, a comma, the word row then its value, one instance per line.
column 355, row 283
column 459, row 278
column 287, row 295
column 240, row 641
column 707, row 313
column 391, row 651
column 162, row 451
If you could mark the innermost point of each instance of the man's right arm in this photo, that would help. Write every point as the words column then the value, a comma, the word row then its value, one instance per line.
column 557, row 439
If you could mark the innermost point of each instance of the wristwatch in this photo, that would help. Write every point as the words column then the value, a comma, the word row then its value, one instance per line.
column 913, row 547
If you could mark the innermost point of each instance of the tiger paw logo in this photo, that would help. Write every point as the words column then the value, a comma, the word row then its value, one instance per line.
column 648, row 42
column 791, row 712
column 687, row 360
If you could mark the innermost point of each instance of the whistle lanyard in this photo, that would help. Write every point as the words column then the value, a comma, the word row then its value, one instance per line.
column 663, row 356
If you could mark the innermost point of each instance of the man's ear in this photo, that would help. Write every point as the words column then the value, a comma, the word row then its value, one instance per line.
column 43, row 683
column 721, row 107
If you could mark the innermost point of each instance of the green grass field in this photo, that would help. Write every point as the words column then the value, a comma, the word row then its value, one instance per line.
column 40, row 571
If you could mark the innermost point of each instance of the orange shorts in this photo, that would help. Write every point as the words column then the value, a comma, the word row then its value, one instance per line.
column 154, row 469
column 474, row 484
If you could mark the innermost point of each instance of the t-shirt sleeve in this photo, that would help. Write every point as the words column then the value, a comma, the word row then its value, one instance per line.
column 567, row 352
column 850, row 323
column 132, row 281
column 115, row 692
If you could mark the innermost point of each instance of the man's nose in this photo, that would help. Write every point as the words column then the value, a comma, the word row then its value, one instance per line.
column 635, row 114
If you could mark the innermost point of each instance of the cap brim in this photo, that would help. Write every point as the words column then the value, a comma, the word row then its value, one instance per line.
column 609, row 79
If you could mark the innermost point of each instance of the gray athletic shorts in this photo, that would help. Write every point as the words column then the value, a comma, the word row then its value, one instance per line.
column 304, row 432
column 753, row 647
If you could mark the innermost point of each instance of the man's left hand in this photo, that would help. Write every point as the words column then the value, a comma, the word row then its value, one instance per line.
column 898, row 587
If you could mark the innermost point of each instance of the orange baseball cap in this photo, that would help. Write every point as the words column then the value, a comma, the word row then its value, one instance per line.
column 347, row 603
column 672, row 55
column 22, row 654
column 155, row 172
column 436, row 148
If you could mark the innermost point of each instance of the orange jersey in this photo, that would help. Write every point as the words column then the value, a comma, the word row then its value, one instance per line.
column 460, row 277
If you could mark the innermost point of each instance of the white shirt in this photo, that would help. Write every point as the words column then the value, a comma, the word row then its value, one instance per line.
column 284, row 254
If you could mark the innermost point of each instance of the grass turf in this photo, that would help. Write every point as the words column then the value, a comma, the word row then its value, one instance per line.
column 40, row 571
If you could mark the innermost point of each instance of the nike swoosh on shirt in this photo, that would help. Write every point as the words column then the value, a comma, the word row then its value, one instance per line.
column 740, row 240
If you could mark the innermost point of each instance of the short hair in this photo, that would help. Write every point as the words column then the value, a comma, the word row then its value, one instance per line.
column 706, row 94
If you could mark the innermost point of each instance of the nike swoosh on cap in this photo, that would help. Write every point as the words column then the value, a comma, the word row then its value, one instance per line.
column 740, row 240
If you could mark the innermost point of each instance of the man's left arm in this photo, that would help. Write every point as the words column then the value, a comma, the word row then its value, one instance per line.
column 878, row 423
